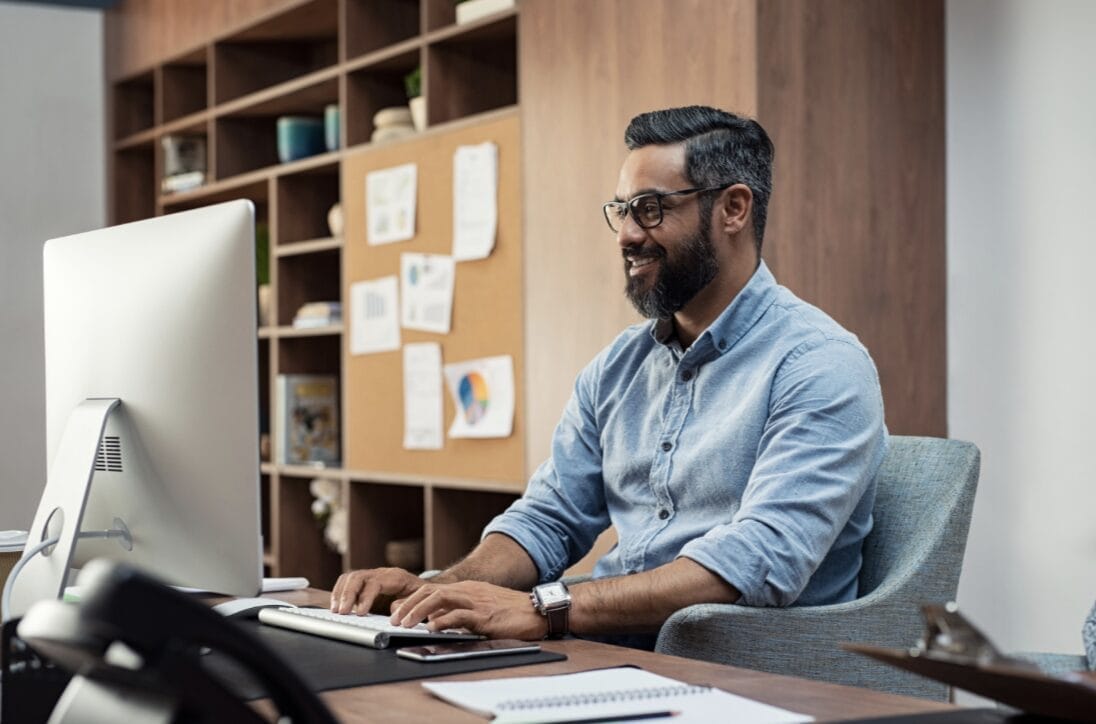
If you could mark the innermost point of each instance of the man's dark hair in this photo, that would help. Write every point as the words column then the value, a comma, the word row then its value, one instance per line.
column 720, row 148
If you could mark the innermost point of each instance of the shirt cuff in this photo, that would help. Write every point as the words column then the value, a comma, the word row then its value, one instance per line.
column 736, row 561
column 550, row 564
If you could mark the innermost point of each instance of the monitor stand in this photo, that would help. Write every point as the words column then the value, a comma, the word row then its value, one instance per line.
column 61, row 508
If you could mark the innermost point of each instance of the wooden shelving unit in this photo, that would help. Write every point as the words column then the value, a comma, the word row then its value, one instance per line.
column 230, row 90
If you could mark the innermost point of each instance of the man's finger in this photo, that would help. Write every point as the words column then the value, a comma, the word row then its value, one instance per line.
column 457, row 618
column 436, row 600
column 410, row 602
column 365, row 600
column 354, row 582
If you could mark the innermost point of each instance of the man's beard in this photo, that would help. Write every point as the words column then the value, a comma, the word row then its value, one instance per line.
column 680, row 277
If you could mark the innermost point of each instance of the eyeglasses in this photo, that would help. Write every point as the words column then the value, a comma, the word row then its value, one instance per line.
column 646, row 209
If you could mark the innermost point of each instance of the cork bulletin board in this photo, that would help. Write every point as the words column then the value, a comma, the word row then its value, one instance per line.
column 487, row 308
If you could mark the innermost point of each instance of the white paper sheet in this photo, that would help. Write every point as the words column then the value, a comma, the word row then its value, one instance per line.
column 390, row 198
column 604, row 695
column 483, row 393
column 475, row 201
column 422, row 402
column 374, row 316
column 426, row 285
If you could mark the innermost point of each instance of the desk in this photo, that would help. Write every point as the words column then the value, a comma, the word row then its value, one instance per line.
column 407, row 701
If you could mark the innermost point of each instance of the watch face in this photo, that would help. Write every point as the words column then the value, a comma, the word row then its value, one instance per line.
column 552, row 593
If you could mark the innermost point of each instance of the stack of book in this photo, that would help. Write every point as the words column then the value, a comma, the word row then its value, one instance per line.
column 184, row 163
column 392, row 123
column 318, row 314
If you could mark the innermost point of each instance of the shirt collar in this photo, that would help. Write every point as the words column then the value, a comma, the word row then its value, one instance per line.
column 734, row 321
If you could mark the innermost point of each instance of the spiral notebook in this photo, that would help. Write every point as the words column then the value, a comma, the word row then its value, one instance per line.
column 605, row 694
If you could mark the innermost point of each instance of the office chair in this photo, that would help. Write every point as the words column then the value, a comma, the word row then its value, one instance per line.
column 1055, row 664
column 913, row 555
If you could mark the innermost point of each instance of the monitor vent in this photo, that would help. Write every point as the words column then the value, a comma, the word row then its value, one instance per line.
column 109, row 458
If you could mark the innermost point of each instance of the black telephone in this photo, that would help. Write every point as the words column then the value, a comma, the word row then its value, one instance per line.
column 134, row 646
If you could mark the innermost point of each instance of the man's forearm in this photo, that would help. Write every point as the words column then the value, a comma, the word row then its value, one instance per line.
column 498, row 559
column 642, row 602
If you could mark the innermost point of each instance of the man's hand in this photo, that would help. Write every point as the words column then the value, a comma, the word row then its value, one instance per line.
column 482, row 608
column 357, row 591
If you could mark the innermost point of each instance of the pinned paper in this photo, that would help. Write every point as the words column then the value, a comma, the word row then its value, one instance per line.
column 426, row 282
column 390, row 197
column 475, row 201
column 483, row 393
column 422, row 402
column 374, row 316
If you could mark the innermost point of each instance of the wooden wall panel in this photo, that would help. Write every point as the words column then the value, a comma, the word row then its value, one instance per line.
column 585, row 69
column 852, row 93
column 139, row 33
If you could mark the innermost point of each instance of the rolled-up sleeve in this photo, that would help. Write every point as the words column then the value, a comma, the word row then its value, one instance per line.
column 563, row 509
column 818, row 454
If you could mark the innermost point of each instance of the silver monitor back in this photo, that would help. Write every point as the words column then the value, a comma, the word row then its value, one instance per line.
column 161, row 314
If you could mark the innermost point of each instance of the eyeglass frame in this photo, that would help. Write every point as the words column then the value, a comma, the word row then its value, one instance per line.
column 630, row 204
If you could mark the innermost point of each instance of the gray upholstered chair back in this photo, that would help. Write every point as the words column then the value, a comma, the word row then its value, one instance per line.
column 923, row 502
column 925, row 494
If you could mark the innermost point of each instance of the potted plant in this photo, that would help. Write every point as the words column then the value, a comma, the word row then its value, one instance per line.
column 413, row 85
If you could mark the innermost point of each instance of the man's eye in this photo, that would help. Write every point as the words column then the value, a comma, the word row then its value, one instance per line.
column 648, row 208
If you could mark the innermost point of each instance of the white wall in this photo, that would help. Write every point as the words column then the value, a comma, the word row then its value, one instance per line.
column 51, row 184
column 1021, row 296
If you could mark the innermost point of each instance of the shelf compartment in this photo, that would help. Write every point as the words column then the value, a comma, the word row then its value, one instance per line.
column 264, row 399
column 309, row 355
column 371, row 25
column 375, row 86
column 286, row 46
column 135, row 183
column 456, row 520
column 134, row 105
column 264, row 512
column 439, row 13
column 184, row 86
column 302, row 550
column 304, row 200
column 247, row 137
column 381, row 513
column 306, row 278
column 472, row 70
column 257, row 191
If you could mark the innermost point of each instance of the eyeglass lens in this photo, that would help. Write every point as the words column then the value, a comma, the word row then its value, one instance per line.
column 646, row 210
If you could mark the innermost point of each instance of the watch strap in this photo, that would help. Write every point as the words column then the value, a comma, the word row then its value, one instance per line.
column 559, row 621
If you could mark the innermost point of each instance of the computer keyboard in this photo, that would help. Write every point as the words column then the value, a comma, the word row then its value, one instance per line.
column 370, row 630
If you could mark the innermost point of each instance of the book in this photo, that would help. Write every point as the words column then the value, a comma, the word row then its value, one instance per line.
column 318, row 314
column 604, row 695
column 307, row 420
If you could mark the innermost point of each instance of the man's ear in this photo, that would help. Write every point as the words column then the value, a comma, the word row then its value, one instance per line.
column 735, row 208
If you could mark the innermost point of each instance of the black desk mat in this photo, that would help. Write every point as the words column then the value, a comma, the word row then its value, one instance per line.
column 961, row 716
column 325, row 664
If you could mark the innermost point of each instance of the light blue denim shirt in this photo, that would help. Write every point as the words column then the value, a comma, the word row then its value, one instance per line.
column 753, row 453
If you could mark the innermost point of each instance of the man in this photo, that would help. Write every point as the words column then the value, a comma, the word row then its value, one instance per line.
column 732, row 441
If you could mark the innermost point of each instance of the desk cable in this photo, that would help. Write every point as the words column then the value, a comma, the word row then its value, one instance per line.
column 5, row 603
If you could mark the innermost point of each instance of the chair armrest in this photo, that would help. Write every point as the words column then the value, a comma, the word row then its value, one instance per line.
column 802, row 641
column 1054, row 663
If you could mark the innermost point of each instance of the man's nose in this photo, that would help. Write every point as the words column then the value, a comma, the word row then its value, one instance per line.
column 631, row 233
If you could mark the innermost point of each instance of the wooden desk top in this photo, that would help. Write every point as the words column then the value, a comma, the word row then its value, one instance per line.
column 407, row 701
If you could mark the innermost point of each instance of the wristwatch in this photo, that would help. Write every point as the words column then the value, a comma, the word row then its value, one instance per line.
column 553, row 601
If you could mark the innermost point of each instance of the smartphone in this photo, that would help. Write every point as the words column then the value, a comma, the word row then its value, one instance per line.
column 467, row 650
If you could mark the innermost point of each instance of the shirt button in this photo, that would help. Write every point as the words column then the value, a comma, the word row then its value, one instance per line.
column 687, row 375
column 667, row 446
column 723, row 344
column 663, row 514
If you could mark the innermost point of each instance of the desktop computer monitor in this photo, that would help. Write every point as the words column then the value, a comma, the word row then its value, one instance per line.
column 151, row 405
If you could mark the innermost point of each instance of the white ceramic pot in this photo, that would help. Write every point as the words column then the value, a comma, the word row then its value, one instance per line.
column 418, row 112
